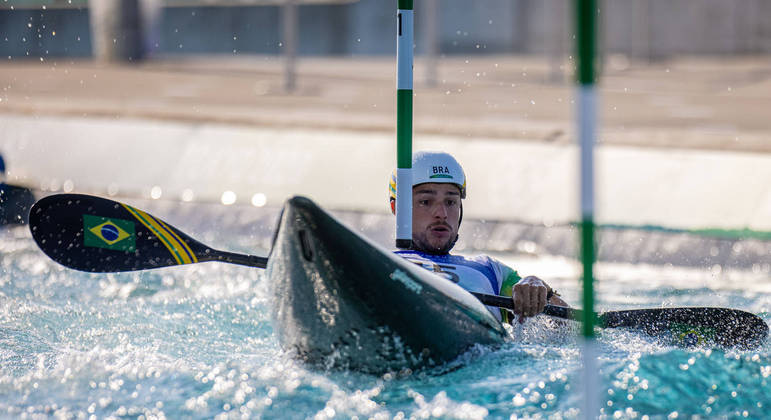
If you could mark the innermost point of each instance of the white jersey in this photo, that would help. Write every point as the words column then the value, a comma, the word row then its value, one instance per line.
column 476, row 274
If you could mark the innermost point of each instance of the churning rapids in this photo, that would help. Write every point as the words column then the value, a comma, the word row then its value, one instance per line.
column 197, row 341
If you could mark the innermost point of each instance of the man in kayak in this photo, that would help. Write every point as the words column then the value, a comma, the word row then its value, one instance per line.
column 439, row 186
column 15, row 201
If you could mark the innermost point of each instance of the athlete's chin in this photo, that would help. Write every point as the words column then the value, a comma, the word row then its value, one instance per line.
column 441, row 246
column 439, row 239
column 434, row 245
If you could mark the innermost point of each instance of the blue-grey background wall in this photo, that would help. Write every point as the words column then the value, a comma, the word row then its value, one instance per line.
column 651, row 28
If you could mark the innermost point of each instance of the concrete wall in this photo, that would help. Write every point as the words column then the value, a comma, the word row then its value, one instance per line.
column 639, row 28
column 660, row 28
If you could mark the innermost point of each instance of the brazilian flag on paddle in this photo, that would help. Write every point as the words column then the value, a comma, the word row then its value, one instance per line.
column 98, row 235
column 108, row 233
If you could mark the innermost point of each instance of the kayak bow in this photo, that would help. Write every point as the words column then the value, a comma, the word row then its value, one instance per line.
column 342, row 301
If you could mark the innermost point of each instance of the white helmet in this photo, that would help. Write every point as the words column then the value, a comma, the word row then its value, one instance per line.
column 434, row 167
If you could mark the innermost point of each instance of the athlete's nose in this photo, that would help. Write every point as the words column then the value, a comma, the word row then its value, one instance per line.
column 440, row 211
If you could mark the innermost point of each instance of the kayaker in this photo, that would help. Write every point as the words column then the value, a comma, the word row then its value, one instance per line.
column 15, row 201
column 3, row 185
column 439, row 186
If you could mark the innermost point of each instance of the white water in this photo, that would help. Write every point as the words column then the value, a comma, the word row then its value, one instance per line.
column 197, row 342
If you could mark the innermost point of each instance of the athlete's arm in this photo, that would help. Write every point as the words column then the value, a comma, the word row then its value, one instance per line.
column 530, row 297
column 530, row 294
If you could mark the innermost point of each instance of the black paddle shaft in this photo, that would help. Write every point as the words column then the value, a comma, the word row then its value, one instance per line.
column 94, row 234
column 507, row 303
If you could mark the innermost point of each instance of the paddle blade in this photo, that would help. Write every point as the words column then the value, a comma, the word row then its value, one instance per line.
column 687, row 327
column 698, row 326
column 94, row 234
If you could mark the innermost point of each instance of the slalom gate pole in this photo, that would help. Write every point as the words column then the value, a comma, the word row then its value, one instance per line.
column 404, row 60
column 586, row 103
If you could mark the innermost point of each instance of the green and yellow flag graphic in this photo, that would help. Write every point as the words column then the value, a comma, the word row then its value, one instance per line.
column 104, row 232
column 688, row 335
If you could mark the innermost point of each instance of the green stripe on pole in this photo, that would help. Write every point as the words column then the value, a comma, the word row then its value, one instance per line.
column 404, row 128
column 586, row 12
column 405, row 4
column 587, row 259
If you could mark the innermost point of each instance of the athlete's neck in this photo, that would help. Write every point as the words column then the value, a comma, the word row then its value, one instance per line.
column 429, row 251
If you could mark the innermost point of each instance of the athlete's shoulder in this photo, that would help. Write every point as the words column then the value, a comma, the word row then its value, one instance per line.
column 481, row 259
column 412, row 254
column 501, row 270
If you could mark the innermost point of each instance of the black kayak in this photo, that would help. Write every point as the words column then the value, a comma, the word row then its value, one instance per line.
column 15, row 202
column 341, row 301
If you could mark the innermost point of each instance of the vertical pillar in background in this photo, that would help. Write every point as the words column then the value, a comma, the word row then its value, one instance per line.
column 116, row 30
column 432, row 41
column 151, row 12
column 755, row 30
column 404, row 60
column 290, row 38
column 522, row 15
column 641, row 29
column 586, row 103
column 555, row 22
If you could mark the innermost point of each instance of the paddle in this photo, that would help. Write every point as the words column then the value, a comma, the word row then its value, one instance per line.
column 97, row 235
column 690, row 326
column 94, row 234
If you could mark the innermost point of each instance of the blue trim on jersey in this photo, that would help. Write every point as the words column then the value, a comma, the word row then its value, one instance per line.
column 459, row 260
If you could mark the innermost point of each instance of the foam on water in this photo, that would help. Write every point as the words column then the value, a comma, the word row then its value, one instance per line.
column 197, row 342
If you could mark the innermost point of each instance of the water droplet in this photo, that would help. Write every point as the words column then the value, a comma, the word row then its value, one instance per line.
column 259, row 200
column 228, row 198
column 187, row 195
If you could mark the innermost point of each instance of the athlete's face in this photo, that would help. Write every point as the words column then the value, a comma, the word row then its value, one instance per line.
column 435, row 217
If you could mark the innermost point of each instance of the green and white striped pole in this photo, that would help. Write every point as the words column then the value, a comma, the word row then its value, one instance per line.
column 404, row 40
column 586, row 12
